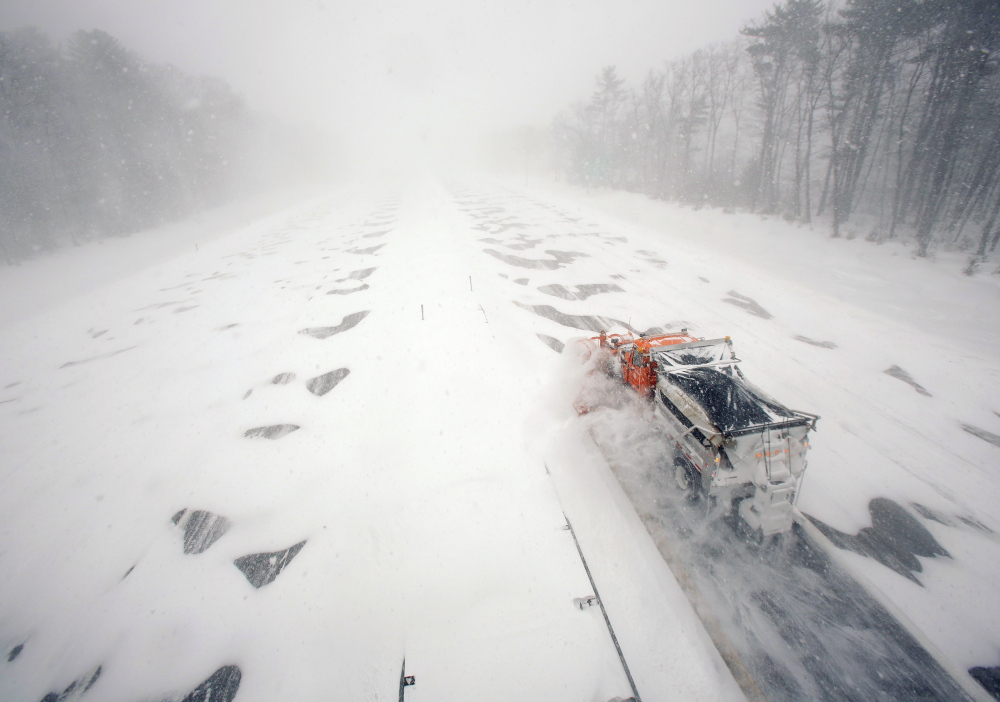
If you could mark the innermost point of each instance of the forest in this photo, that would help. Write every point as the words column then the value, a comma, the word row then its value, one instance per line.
column 95, row 141
column 879, row 117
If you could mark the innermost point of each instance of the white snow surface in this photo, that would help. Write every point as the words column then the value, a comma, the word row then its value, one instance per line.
column 431, row 483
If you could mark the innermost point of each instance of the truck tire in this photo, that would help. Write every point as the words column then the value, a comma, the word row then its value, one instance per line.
column 681, row 476
column 687, row 477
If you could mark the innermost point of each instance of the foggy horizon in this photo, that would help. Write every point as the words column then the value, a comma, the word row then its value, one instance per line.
column 393, row 78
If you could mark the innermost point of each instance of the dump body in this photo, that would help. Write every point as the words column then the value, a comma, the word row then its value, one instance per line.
column 729, row 436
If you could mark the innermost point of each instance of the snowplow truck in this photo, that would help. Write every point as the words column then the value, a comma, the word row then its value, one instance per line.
column 728, row 436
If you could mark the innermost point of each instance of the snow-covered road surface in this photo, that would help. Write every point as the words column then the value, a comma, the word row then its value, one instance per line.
column 364, row 388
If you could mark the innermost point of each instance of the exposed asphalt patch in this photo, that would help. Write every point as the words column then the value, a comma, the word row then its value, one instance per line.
column 348, row 291
column 894, row 539
column 520, row 243
column 982, row 434
column 358, row 275
column 322, row 384
column 748, row 304
column 582, row 291
column 585, row 322
column 543, row 264
column 202, row 530
column 651, row 257
column 900, row 374
column 486, row 212
column 185, row 309
column 813, row 342
column 76, row 688
column 552, row 342
column 15, row 652
column 350, row 321
column 275, row 431
column 558, row 291
column 935, row 516
column 501, row 227
column 221, row 686
column 558, row 260
column 369, row 250
column 976, row 524
column 262, row 568
column 96, row 358
column 158, row 305
column 928, row 513
column 282, row 379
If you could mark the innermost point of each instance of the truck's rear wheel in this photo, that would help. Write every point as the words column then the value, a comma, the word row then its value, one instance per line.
column 681, row 476
column 687, row 477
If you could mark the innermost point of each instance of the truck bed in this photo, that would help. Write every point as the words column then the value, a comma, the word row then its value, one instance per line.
column 701, row 385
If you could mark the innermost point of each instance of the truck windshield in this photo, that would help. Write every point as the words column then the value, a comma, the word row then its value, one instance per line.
column 694, row 355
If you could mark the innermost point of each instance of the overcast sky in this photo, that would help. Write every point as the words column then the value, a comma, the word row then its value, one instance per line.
column 360, row 69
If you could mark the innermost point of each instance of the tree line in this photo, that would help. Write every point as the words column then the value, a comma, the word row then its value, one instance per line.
column 96, row 142
column 882, row 116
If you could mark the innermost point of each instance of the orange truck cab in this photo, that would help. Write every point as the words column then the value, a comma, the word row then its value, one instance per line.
column 636, row 356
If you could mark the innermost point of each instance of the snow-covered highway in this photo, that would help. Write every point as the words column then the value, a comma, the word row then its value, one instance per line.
column 339, row 436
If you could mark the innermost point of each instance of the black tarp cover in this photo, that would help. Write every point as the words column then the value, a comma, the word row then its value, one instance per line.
column 727, row 400
column 731, row 403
